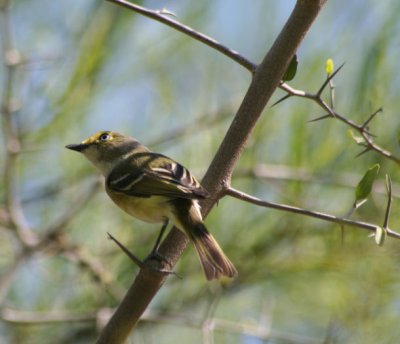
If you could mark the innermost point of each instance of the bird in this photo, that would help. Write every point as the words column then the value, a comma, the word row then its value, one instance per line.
column 155, row 189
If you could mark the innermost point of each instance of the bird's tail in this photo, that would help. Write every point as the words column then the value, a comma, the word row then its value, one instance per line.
column 213, row 260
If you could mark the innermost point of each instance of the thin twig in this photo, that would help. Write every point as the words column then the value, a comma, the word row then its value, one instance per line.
column 389, row 202
column 315, row 214
column 361, row 128
column 211, row 42
column 39, row 318
column 226, row 326
column 7, row 276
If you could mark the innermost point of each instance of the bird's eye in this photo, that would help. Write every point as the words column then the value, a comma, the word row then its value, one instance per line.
column 105, row 137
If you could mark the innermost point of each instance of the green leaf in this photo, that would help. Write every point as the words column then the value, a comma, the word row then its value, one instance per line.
column 357, row 139
column 364, row 187
column 380, row 235
column 291, row 70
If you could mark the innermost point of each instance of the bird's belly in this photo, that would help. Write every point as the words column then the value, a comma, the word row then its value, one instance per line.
column 153, row 209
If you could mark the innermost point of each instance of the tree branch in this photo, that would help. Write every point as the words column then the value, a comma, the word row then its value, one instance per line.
column 39, row 318
column 265, row 80
column 360, row 128
column 214, row 324
column 50, row 237
column 211, row 42
column 315, row 214
column 12, row 142
column 7, row 276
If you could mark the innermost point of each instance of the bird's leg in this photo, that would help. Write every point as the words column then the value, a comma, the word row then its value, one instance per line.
column 154, row 252
column 159, row 238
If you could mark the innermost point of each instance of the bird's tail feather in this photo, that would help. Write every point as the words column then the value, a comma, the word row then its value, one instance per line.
column 213, row 260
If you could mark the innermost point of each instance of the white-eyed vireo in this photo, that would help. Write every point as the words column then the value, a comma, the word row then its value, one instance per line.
column 155, row 188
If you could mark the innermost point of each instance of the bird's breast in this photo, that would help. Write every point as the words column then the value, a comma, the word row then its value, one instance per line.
column 152, row 209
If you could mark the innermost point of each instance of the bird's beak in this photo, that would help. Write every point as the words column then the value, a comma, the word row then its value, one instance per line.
column 77, row 147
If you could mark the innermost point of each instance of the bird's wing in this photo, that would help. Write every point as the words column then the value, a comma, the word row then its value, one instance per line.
column 146, row 174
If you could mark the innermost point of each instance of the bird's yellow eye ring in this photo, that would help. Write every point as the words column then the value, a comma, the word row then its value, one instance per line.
column 105, row 137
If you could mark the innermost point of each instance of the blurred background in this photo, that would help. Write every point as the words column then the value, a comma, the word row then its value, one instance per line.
column 71, row 68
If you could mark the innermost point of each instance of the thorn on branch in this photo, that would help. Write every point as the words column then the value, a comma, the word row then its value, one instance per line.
column 371, row 117
column 367, row 133
column 164, row 11
column 137, row 261
column 281, row 100
column 327, row 81
column 365, row 140
column 320, row 118
column 363, row 152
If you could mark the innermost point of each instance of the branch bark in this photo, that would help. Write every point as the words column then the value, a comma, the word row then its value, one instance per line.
column 266, row 79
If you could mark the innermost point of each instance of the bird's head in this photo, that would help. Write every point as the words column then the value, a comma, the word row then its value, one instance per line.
column 106, row 148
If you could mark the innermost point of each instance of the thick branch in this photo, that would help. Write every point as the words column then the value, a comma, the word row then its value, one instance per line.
column 265, row 80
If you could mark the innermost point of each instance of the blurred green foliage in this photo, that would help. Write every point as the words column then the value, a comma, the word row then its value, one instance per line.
column 93, row 66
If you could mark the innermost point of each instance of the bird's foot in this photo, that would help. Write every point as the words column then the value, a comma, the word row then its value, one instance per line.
column 155, row 255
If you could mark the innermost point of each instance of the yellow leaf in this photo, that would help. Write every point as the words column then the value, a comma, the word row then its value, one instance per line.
column 329, row 67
